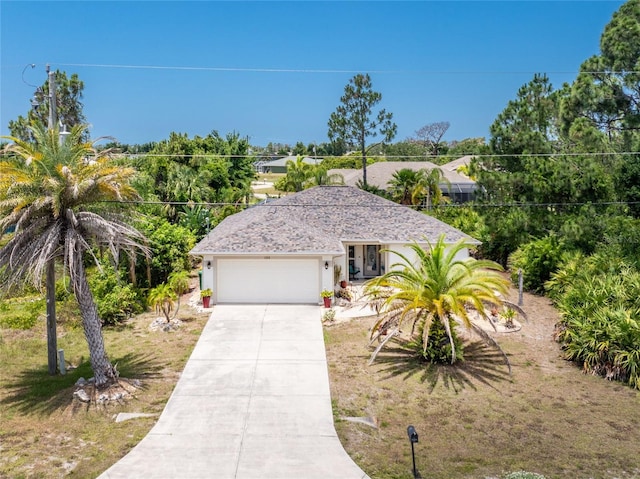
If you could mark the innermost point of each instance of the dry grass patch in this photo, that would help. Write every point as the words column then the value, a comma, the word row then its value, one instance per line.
column 271, row 192
column 261, row 185
column 475, row 420
column 45, row 433
column 271, row 177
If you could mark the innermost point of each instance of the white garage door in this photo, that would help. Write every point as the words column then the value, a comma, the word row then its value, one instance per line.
column 268, row 280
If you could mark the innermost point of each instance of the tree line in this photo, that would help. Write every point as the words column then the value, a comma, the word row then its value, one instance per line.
column 559, row 199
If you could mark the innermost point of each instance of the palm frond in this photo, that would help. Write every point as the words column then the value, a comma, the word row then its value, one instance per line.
column 492, row 342
column 438, row 284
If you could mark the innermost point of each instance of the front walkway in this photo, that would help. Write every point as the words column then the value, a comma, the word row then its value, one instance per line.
column 253, row 402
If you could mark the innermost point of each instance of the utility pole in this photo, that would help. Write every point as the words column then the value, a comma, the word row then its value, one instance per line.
column 53, row 106
column 52, row 335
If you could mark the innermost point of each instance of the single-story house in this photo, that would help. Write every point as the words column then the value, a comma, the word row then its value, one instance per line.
column 284, row 250
column 280, row 165
column 460, row 188
column 457, row 164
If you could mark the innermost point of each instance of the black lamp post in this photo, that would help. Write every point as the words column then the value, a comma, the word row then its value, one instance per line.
column 413, row 438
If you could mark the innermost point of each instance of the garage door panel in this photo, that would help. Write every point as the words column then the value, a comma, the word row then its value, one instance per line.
column 268, row 280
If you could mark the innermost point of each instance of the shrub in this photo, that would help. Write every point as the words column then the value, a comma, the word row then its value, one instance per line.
column 464, row 218
column 508, row 229
column 116, row 300
column 21, row 314
column 63, row 289
column 329, row 316
column 537, row 259
column 606, row 343
column 600, row 327
column 170, row 245
column 118, row 305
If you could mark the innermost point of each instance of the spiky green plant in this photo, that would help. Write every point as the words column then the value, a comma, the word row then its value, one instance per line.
column 600, row 310
column 430, row 292
column 163, row 299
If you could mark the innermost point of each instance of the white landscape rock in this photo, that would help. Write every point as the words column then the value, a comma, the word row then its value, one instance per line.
column 125, row 416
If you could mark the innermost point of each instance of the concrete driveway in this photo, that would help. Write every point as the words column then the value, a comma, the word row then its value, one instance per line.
column 252, row 403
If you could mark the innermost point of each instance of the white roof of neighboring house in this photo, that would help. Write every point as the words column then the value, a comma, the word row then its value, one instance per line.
column 283, row 161
column 380, row 173
column 455, row 164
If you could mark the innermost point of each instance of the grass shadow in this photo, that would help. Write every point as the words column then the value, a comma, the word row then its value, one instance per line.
column 482, row 364
column 34, row 391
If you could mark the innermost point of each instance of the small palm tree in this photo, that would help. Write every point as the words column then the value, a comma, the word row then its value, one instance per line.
column 163, row 299
column 433, row 293
column 320, row 176
column 62, row 200
column 179, row 283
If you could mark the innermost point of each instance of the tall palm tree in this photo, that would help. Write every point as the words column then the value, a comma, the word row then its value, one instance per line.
column 57, row 196
column 429, row 187
column 433, row 292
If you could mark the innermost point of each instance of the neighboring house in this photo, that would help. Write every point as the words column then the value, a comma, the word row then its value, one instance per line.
column 284, row 251
column 456, row 165
column 280, row 165
column 459, row 189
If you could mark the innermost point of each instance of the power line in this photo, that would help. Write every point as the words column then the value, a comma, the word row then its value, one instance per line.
column 333, row 71
column 319, row 158
column 370, row 155
column 395, row 205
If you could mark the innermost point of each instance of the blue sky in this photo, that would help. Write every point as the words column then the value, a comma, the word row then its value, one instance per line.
column 219, row 65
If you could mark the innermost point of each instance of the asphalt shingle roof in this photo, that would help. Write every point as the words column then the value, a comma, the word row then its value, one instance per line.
column 318, row 220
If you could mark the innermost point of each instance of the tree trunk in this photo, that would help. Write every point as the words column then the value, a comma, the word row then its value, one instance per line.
column 52, row 336
column 364, row 163
column 103, row 371
column 132, row 270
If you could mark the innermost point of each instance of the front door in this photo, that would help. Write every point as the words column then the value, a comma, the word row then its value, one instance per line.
column 372, row 260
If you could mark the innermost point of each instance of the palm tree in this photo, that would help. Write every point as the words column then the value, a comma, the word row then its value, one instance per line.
column 320, row 176
column 429, row 186
column 298, row 172
column 62, row 199
column 411, row 187
column 403, row 184
column 163, row 298
column 434, row 292
column 179, row 283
